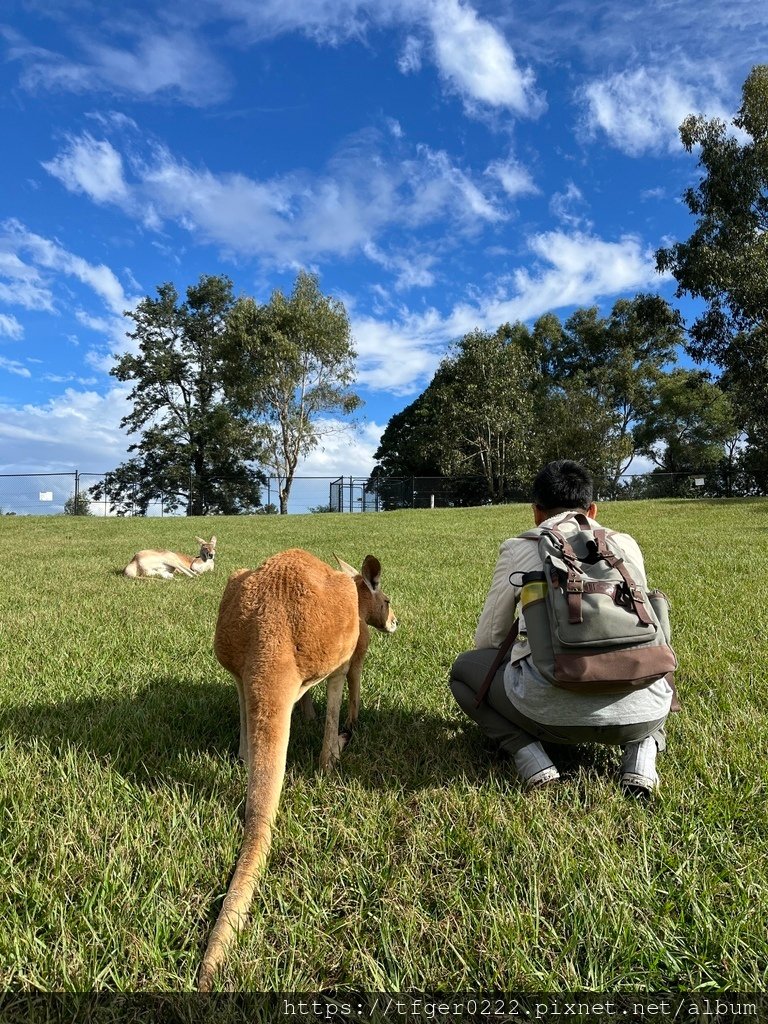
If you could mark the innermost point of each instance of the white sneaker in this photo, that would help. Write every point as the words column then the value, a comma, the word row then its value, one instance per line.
column 541, row 778
column 534, row 766
column 638, row 767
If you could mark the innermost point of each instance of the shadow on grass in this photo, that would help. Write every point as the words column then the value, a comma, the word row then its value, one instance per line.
column 176, row 731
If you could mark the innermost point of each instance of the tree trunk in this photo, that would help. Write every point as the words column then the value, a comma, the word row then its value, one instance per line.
column 195, row 503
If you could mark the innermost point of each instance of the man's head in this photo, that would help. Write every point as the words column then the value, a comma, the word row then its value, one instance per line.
column 560, row 486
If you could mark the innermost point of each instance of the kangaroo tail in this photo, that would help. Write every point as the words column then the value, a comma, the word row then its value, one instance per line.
column 268, row 732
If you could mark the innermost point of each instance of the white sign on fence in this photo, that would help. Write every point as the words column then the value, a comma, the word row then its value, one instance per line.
column 699, row 481
column 46, row 495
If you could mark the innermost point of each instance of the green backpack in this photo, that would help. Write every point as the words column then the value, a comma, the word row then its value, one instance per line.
column 591, row 627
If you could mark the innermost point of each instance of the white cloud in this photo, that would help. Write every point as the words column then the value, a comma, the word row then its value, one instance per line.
column 566, row 206
column 412, row 270
column 292, row 218
column 10, row 327
column 77, row 429
column 174, row 63
column 20, row 283
column 579, row 269
column 49, row 255
column 345, row 448
column 397, row 357
column 640, row 111
column 515, row 179
column 573, row 269
column 39, row 282
column 475, row 59
column 410, row 58
column 472, row 55
column 90, row 166
column 12, row 366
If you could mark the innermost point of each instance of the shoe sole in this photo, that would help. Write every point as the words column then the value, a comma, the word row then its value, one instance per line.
column 542, row 778
column 638, row 785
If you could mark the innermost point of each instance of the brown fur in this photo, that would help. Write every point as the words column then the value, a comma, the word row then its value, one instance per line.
column 282, row 628
column 167, row 563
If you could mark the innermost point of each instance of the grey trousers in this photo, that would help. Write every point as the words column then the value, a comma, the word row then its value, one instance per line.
column 500, row 720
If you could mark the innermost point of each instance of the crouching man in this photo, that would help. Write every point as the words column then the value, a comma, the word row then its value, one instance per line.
column 520, row 708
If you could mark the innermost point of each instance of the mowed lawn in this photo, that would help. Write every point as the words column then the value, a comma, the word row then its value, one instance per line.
column 420, row 864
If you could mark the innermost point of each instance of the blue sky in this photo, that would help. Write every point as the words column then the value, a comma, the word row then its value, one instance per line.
column 440, row 165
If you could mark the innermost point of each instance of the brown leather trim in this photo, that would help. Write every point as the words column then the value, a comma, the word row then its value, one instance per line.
column 632, row 666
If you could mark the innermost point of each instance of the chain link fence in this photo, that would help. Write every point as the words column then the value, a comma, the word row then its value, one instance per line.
column 71, row 493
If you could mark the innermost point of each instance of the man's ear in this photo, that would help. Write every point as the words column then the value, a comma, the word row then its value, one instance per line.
column 592, row 510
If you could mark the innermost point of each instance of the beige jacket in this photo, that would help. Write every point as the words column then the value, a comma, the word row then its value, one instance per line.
column 517, row 556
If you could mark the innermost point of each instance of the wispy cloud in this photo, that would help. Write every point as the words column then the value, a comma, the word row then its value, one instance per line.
column 90, row 166
column 20, row 283
column 47, row 254
column 37, row 274
column 515, row 179
column 365, row 191
column 156, row 63
column 10, row 327
column 640, row 110
column 568, row 269
column 568, row 206
column 12, row 366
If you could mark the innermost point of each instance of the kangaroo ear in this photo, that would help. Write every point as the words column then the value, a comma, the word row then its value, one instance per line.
column 200, row 540
column 212, row 541
column 371, row 571
column 345, row 566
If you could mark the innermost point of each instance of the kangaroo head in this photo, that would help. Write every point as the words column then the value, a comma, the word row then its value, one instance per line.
column 207, row 548
column 372, row 602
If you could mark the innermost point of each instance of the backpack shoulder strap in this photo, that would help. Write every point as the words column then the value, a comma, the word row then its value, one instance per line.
column 506, row 643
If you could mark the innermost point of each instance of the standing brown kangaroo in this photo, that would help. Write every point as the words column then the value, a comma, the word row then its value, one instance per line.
column 282, row 628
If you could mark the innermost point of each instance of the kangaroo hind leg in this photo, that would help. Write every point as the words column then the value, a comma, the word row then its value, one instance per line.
column 333, row 741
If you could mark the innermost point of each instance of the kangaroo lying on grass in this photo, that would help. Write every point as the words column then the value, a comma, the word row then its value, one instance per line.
column 282, row 628
column 167, row 563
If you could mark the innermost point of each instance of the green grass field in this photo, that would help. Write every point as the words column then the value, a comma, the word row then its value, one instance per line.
column 420, row 864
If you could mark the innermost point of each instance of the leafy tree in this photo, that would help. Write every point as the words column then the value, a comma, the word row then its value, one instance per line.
column 617, row 362
column 580, row 425
column 725, row 261
column 78, row 505
column 473, row 423
column 294, row 365
column 194, row 449
column 488, row 417
column 502, row 404
column 690, row 425
column 410, row 443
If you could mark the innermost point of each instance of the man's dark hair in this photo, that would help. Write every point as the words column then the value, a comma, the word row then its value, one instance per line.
column 563, row 484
